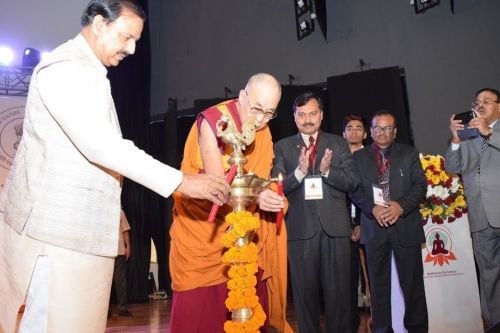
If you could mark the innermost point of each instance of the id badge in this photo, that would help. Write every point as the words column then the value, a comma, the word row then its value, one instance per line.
column 313, row 188
column 378, row 196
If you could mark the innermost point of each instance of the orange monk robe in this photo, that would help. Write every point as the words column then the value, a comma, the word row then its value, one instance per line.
column 196, row 249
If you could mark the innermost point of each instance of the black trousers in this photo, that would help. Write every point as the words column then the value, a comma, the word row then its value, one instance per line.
column 410, row 271
column 355, row 320
column 320, row 269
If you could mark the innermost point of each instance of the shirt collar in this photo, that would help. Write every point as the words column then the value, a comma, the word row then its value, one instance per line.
column 376, row 148
column 305, row 137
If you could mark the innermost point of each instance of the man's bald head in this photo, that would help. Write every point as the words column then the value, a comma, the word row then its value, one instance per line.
column 260, row 98
column 264, row 82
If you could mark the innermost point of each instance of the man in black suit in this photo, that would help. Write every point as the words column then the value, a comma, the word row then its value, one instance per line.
column 318, row 171
column 391, row 188
column 354, row 132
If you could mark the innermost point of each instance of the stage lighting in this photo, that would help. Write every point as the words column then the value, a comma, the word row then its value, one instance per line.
column 301, row 6
column 304, row 18
column 422, row 5
column 6, row 55
column 304, row 26
column 31, row 57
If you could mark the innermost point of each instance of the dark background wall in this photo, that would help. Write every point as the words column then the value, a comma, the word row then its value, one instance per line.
column 200, row 47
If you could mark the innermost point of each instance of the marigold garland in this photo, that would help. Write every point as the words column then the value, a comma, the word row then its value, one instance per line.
column 243, row 267
column 240, row 224
column 445, row 199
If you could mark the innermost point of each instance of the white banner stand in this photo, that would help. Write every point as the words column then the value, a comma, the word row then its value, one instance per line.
column 450, row 278
column 397, row 300
column 450, row 281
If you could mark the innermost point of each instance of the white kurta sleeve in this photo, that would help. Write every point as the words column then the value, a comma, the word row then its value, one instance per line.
column 78, row 99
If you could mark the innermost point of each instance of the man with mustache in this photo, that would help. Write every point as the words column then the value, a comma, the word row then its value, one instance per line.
column 478, row 161
column 318, row 171
column 60, row 208
column 391, row 188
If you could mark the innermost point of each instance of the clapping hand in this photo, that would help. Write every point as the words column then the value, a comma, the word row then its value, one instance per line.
column 326, row 161
column 304, row 160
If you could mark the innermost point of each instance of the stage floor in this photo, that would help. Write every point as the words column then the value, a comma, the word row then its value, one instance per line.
column 155, row 317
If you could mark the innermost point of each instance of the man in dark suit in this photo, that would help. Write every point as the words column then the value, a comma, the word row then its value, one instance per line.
column 478, row 161
column 391, row 188
column 354, row 132
column 318, row 170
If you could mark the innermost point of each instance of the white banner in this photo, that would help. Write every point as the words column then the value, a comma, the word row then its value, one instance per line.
column 450, row 281
column 450, row 278
column 11, row 129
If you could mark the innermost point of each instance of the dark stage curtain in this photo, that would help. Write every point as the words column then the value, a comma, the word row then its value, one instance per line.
column 366, row 92
column 165, row 148
column 130, row 85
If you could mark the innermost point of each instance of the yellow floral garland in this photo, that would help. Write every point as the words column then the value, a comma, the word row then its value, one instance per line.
column 243, row 267
column 445, row 199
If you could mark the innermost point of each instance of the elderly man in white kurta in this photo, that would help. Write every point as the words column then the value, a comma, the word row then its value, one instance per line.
column 60, row 209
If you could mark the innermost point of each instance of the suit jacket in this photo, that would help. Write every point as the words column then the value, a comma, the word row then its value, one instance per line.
column 354, row 215
column 481, row 189
column 407, row 185
column 64, row 185
column 305, row 218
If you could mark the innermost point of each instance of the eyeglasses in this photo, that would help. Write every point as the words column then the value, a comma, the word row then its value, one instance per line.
column 485, row 102
column 380, row 129
column 254, row 110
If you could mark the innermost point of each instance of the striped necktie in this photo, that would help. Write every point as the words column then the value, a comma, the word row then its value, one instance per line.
column 384, row 173
column 312, row 152
column 484, row 143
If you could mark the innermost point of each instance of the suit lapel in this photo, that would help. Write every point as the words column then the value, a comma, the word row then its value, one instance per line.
column 395, row 161
column 323, row 145
column 478, row 142
column 371, row 172
column 297, row 146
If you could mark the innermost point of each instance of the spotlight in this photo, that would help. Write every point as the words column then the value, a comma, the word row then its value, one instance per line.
column 304, row 26
column 31, row 57
column 422, row 5
column 302, row 6
column 6, row 55
column 304, row 18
